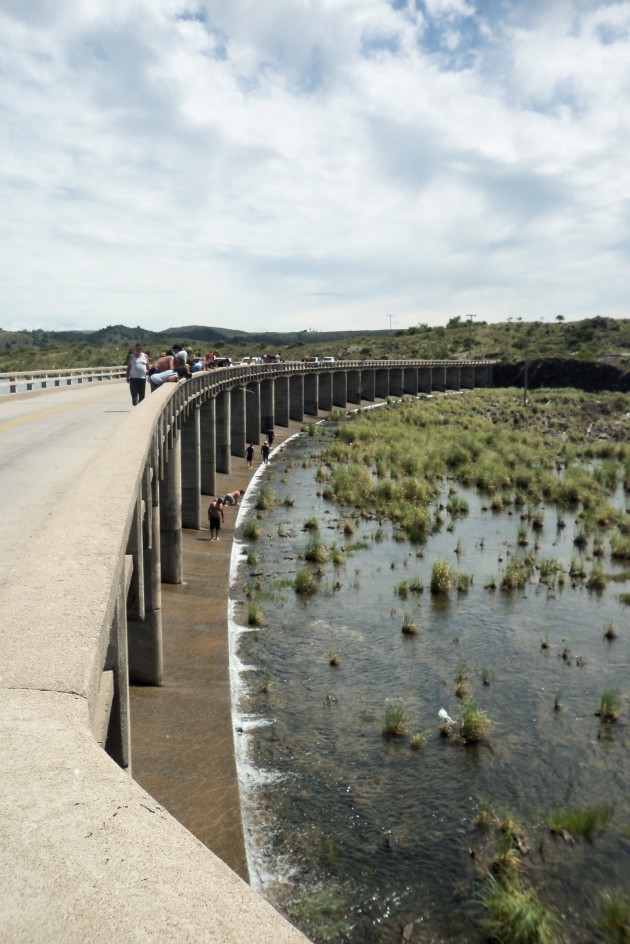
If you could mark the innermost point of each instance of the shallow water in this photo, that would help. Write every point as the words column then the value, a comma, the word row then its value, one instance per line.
column 357, row 836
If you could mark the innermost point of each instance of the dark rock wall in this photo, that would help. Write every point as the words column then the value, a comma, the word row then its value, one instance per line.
column 558, row 372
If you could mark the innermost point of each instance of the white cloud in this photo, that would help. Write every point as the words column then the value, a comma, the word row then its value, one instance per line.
column 311, row 162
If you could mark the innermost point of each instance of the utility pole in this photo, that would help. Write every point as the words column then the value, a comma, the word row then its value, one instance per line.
column 470, row 327
column 390, row 321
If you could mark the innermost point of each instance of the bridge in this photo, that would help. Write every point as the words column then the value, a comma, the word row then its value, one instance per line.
column 96, row 495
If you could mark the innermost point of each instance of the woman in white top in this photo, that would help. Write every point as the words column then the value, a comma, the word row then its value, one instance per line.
column 137, row 370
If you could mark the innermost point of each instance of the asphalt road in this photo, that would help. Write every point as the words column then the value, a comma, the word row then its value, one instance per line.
column 46, row 439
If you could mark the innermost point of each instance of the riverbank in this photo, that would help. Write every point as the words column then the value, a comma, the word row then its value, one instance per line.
column 182, row 733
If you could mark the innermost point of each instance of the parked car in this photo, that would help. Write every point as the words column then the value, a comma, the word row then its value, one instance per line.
column 247, row 360
column 310, row 359
column 328, row 360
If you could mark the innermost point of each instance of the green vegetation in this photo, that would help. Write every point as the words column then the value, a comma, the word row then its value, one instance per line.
column 251, row 531
column 409, row 627
column 609, row 705
column 580, row 822
column 255, row 615
column 395, row 723
column 315, row 550
column 265, row 498
column 418, row 740
column 515, row 916
column 475, row 724
column 615, row 919
column 441, row 577
column 305, row 583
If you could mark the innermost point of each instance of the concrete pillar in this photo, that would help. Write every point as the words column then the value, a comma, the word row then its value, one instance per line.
column 467, row 376
column 252, row 413
column 381, row 383
column 396, row 388
column 340, row 389
column 353, row 388
column 208, row 446
column 296, row 397
column 367, row 385
column 238, row 421
column 325, row 398
column 425, row 380
column 452, row 377
column 311, row 393
column 223, row 441
column 144, row 636
column 135, row 548
column 438, row 378
column 267, row 406
column 410, row 380
column 118, row 744
column 191, row 469
column 171, row 517
column 281, row 398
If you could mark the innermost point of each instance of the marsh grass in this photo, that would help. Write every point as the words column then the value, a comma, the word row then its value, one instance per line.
column 265, row 498
column 584, row 823
column 409, row 627
column 517, row 574
column 615, row 919
column 611, row 632
column 334, row 659
column 609, row 705
column 255, row 615
column 441, row 577
column 475, row 724
column 311, row 524
column 395, row 723
column 597, row 579
column 305, row 582
column 515, row 916
column 315, row 550
column 251, row 530
column 402, row 589
column 252, row 558
column 418, row 740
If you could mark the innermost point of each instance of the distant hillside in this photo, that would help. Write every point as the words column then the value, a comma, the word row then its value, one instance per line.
column 590, row 339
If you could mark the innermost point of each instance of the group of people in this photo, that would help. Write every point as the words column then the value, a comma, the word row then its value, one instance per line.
column 216, row 515
column 171, row 366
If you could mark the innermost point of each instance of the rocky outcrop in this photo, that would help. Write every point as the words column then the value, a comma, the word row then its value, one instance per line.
column 564, row 372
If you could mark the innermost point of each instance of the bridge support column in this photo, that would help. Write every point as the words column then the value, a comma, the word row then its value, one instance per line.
column 311, row 394
column 467, row 376
column 396, row 388
column 238, row 421
column 438, row 378
column 452, row 377
column 367, row 385
column 381, row 383
column 135, row 548
column 325, row 396
column 340, row 388
column 281, row 397
column 208, row 446
column 296, row 397
column 171, row 517
column 223, row 448
column 118, row 742
column 252, row 413
column 410, row 380
column 425, row 380
column 191, row 469
column 144, row 634
column 267, row 405
column 353, row 381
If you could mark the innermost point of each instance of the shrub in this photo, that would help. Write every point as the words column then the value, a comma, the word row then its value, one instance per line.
column 474, row 724
column 609, row 705
column 580, row 822
column 265, row 498
column 255, row 615
column 251, row 531
column 516, row 916
column 305, row 583
column 315, row 550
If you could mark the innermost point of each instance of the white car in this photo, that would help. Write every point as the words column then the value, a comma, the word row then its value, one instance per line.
column 328, row 360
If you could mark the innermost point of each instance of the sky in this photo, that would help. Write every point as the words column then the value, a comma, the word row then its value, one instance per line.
column 279, row 165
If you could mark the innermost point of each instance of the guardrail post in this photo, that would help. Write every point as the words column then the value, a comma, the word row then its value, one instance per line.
column 208, row 446
column 191, row 469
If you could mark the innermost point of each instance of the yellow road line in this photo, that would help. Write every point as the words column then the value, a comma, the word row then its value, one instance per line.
column 58, row 409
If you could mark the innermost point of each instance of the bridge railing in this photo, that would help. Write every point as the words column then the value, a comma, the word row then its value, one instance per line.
column 28, row 380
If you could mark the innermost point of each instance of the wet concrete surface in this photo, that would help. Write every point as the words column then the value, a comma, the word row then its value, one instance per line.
column 182, row 733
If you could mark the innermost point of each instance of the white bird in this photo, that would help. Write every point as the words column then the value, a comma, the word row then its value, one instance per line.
column 444, row 716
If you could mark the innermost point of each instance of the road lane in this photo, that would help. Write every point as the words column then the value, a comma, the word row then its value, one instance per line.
column 46, row 439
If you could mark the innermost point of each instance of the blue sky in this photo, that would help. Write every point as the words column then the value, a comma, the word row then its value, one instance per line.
column 295, row 164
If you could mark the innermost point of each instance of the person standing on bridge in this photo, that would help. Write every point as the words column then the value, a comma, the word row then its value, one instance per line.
column 137, row 370
column 215, row 517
